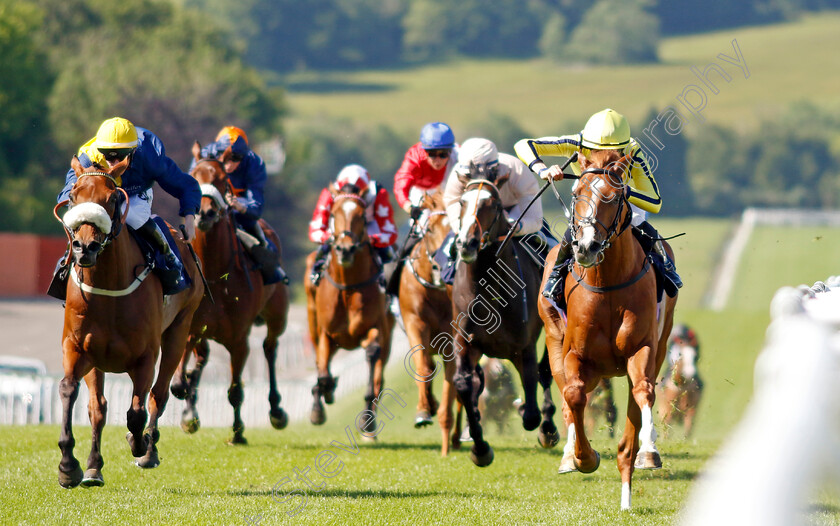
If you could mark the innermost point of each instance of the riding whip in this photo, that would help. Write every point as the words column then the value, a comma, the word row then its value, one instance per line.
column 198, row 264
column 548, row 183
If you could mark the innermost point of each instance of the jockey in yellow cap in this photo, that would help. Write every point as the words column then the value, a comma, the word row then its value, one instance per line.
column 605, row 130
column 116, row 139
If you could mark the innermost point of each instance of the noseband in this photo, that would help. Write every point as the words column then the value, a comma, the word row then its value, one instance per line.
column 620, row 221
column 484, row 235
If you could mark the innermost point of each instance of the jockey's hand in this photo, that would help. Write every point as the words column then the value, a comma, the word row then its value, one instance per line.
column 548, row 173
column 189, row 227
column 415, row 212
column 235, row 203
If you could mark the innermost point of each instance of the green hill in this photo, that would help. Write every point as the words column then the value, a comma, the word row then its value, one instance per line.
column 787, row 63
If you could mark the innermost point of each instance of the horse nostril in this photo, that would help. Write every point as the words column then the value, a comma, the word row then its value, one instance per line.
column 77, row 246
column 472, row 244
column 94, row 246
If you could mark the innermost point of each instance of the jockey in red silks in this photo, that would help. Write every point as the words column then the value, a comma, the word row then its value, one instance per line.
column 380, row 217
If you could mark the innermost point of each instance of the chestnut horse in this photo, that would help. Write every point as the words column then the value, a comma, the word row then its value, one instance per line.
column 239, row 296
column 681, row 386
column 426, row 309
column 115, row 320
column 615, row 325
column 348, row 308
column 494, row 302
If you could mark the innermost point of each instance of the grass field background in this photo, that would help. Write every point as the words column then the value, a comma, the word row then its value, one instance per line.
column 402, row 479
column 549, row 99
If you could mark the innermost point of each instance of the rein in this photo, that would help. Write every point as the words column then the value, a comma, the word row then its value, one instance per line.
column 484, row 239
column 356, row 244
column 610, row 288
column 438, row 285
column 614, row 230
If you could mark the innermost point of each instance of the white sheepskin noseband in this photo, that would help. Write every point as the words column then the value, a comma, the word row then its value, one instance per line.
column 208, row 190
column 88, row 213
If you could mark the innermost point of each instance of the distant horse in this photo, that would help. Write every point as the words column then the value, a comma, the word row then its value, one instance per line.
column 494, row 301
column 348, row 309
column 615, row 326
column 601, row 403
column 426, row 309
column 681, row 386
column 115, row 320
column 240, row 296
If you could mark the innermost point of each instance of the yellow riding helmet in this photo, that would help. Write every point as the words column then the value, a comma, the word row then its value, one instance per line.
column 116, row 133
column 606, row 130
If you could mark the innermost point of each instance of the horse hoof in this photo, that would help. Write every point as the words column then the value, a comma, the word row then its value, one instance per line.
column 237, row 440
column 329, row 397
column 71, row 479
column 137, row 449
column 648, row 460
column 318, row 416
column 93, row 479
column 179, row 391
column 567, row 465
column 279, row 419
column 422, row 419
column 368, row 439
column 190, row 425
column 483, row 460
column 548, row 440
column 531, row 420
column 149, row 460
column 588, row 469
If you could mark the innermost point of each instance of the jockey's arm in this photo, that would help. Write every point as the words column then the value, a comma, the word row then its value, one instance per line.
column 644, row 191
column 404, row 179
column 452, row 193
column 319, row 227
column 253, row 197
column 167, row 174
column 524, row 187
column 531, row 151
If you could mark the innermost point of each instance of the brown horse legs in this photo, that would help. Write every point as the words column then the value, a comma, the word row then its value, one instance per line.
column 136, row 416
column 97, row 410
column 444, row 413
column 69, row 471
column 279, row 419
column 528, row 375
column 548, row 435
column 236, row 394
column 469, row 382
column 185, row 387
column 586, row 459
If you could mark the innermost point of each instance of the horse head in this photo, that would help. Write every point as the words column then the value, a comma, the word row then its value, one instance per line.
column 212, row 178
column 94, row 217
column 481, row 221
column 348, row 223
column 434, row 220
column 600, row 211
column 684, row 352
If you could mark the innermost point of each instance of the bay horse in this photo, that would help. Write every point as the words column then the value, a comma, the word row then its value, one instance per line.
column 116, row 320
column 494, row 304
column 426, row 309
column 616, row 325
column 348, row 308
column 239, row 297
column 681, row 386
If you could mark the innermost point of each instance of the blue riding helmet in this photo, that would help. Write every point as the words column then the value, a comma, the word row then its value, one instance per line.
column 437, row 136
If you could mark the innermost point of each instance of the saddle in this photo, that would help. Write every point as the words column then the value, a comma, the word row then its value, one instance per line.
column 155, row 257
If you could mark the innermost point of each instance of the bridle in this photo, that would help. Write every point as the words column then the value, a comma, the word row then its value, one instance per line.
column 484, row 235
column 116, row 222
column 620, row 222
column 357, row 242
column 437, row 283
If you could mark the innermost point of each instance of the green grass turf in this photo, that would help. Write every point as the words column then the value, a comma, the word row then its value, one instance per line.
column 779, row 256
column 544, row 96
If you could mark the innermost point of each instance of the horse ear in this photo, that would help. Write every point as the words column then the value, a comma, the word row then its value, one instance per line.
column 582, row 160
column 76, row 165
column 120, row 167
column 332, row 189
column 501, row 180
column 225, row 155
column 196, row 150
column 463, row 178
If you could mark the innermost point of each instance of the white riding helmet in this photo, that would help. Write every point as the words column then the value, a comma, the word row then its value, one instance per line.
column 478, row 158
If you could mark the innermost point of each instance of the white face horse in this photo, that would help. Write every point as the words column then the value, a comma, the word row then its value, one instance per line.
column 683, row 359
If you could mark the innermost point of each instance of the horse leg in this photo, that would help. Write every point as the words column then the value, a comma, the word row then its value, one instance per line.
column 376, row 353
column 236, row 394
column 180, row 387
column 325, row 385
column 459, row 417
column 548, row 435
column 526, row 365
column 641, row 374
column 419, row 334
column 610, row 409
column 444, row 412
column 578, row 383
column 628, row 447
column 276, row 315
column 190, row 422
column 481, row 453
column 97, row 409
column 141, row 376
column 69, row 471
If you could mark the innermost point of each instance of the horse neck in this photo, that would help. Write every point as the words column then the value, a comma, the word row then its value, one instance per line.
column 621, row 262
column 363, row 267
column 216, row 247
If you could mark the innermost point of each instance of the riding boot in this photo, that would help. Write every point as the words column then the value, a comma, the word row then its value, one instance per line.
column 319, row 263
column 652, row 244
column 58, row 285
column 385, row 259
column 170, row 274
column 258, row 248
column 559, row 269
